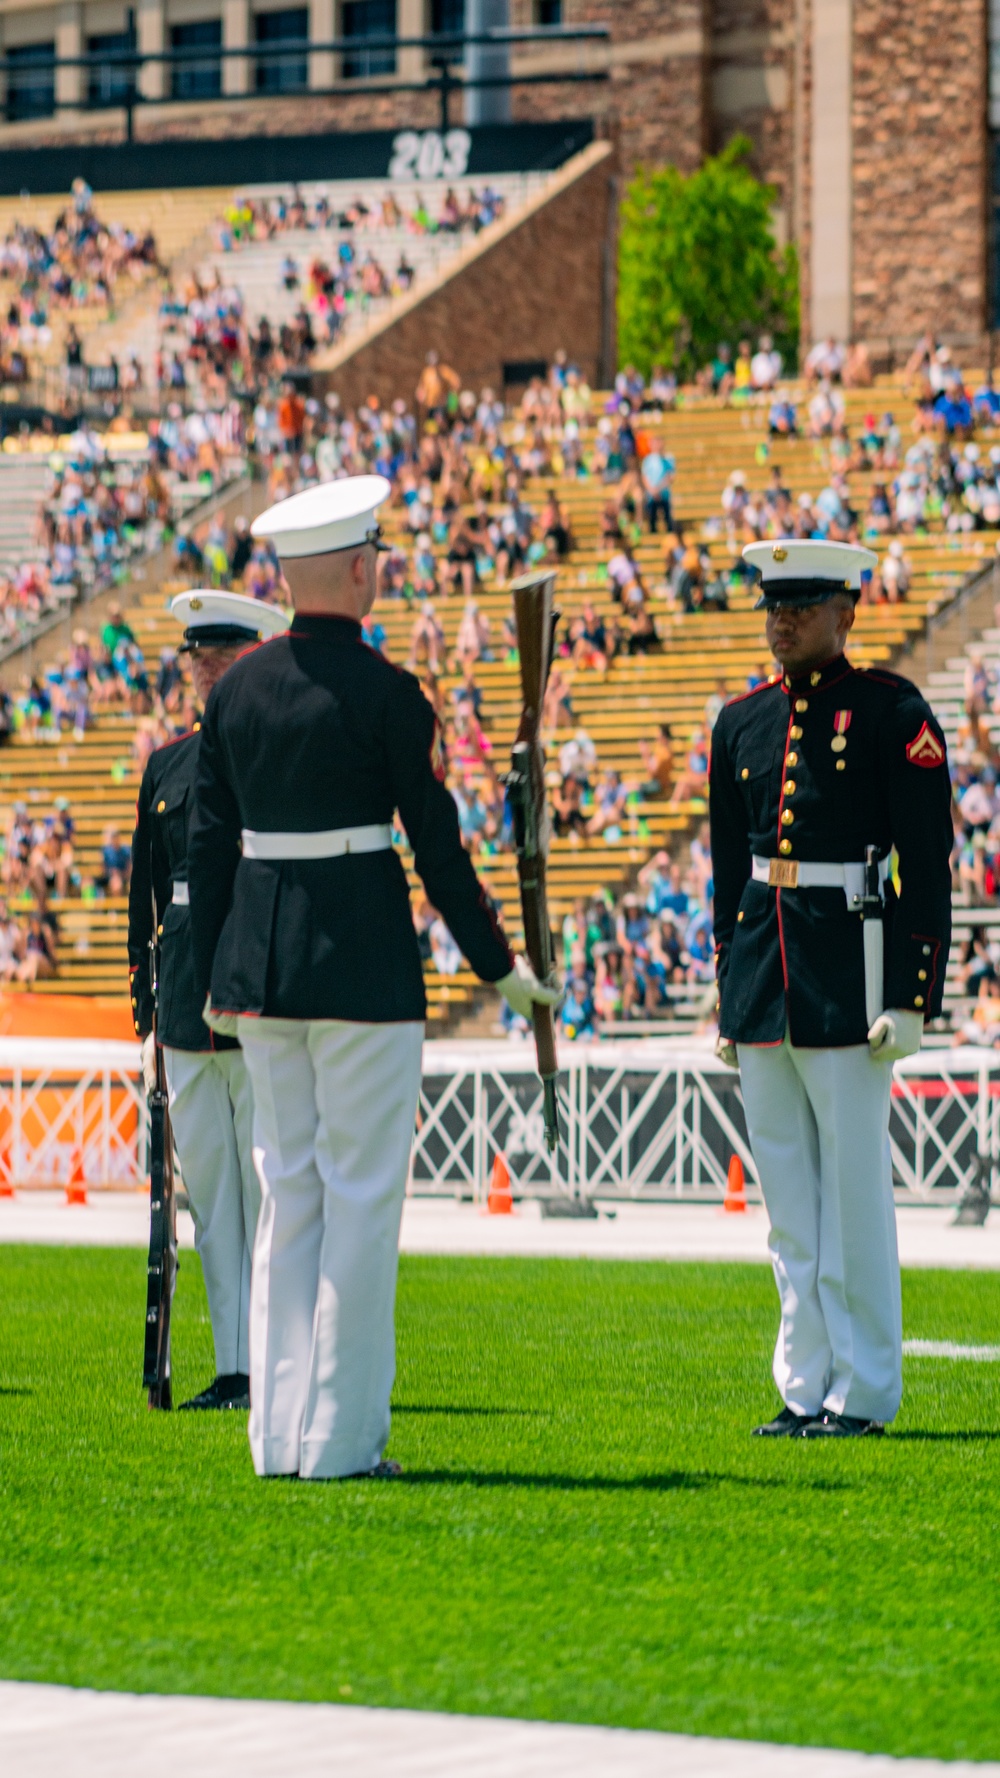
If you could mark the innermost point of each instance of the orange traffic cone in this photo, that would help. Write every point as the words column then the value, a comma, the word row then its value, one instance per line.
column 500, row 1199
column 76, row 1186
column 735, row 1200
column 6, row 1171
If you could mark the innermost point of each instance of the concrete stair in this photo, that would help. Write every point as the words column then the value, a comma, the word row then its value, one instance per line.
column 254, row 267
column 22, row 486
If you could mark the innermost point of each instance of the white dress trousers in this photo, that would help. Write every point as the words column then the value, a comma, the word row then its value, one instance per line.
column 335, row 1107
column 818, row 1121
column 211, row 1115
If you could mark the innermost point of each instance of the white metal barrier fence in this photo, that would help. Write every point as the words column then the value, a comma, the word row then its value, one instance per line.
column 71, row 1111
column 643, row 1119
column 649, row 1119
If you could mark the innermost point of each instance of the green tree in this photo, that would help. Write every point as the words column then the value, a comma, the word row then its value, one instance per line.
column 698, row 264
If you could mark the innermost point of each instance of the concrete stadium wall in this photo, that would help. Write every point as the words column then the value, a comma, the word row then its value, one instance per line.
column 868, row 117
column 539, row 287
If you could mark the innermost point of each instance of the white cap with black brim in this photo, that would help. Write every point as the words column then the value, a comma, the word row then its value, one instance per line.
column 214, row 619
column 801, row 571
column 329, row 517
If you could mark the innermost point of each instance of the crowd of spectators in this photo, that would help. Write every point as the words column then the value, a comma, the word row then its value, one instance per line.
column 103, row 670
column 79, row 263
column 250, row 219
column 643, row 956
column 39, row 862
column 974, row 761
column 931, row 483
column 101, row 510
column 476, row 500
column 212, row 349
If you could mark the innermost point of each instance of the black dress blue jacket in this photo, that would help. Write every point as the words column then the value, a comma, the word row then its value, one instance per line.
column 159, row 860
column 818, row 768
column 309, row 731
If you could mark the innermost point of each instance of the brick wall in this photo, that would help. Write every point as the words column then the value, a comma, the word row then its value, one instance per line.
column 538, row 289
column 686, row 74
column 656, row 102
column 920, row 167
column 296, row 115
column 752, row 79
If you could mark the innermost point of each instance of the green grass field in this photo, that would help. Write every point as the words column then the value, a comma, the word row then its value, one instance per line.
column 585, row 1531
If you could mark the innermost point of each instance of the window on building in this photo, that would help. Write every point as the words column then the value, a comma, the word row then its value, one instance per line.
column 286, row 73
column 31, row 81
column 199, row 76
column 108, row 81
column 368, row 18
column 548, row 12
column 447, row 20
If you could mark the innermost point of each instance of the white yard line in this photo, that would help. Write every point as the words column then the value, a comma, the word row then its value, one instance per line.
column 441, row 1226
column 948, row 1349
column 51, row 1731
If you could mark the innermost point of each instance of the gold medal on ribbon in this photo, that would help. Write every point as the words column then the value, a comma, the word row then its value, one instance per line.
column 841, row 724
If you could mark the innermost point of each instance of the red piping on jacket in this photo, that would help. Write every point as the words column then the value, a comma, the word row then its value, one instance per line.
column 781, row 807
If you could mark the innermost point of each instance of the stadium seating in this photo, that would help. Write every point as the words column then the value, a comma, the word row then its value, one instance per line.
column 96, row 774
column 255, row 266
column 177, row 219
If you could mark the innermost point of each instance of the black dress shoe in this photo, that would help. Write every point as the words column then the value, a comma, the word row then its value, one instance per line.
column 829, row 1425
column 785, row 1425
column 229, row 1391
column 234, row 1391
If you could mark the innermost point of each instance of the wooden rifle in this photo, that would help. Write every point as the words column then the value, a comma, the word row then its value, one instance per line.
column 161, row 1268
column 535, row 619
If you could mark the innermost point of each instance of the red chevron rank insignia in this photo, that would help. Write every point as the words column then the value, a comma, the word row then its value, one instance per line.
column 925, row 749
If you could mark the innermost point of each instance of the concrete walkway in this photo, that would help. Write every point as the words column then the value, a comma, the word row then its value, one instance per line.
column 625, row 1231
column 53, row 1732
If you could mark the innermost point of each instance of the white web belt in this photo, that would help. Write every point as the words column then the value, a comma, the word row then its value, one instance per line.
column 794, row 873
column 331, row 842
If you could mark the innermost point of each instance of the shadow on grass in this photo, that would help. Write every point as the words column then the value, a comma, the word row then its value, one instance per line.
column 453, row 1408
column 670, row 1481
column 4, row 1390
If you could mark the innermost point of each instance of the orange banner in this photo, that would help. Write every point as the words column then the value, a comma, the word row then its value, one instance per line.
column 64, row 1015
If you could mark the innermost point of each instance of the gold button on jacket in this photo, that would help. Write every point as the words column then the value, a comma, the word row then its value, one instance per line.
column 857, row 770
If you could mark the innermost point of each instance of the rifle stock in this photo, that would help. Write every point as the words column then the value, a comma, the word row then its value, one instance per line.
column 536, row 619
column 161, row 1267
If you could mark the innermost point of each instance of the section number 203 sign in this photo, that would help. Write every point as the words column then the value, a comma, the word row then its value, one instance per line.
column 425, row 154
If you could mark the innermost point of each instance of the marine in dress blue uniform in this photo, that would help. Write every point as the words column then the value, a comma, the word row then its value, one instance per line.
column 304, row 939
column 211, row 1103
column 827, row 972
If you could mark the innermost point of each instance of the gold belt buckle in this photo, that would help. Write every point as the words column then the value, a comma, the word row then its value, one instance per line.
column 783, row 873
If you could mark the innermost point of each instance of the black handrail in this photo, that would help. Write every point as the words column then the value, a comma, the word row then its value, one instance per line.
column 445, row 48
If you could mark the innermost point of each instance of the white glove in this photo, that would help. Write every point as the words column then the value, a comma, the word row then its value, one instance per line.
column 726, row 1051
column 147, row 1059
column 522, row 990
column 896, row 1034
column 224, row 1023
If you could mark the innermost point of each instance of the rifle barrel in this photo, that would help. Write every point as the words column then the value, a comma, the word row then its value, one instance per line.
column 536, row 627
